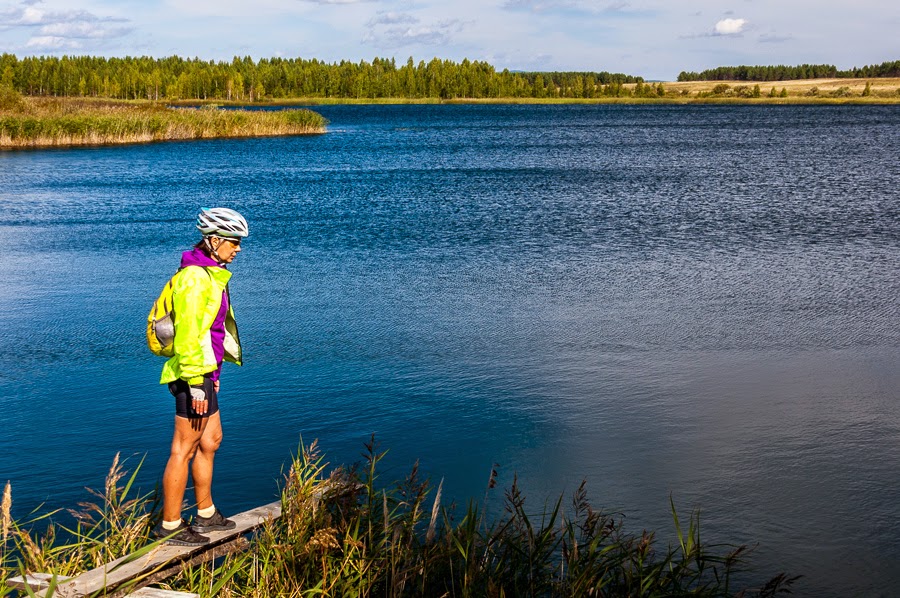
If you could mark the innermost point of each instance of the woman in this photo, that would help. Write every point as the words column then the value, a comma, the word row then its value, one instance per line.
column 205, row 336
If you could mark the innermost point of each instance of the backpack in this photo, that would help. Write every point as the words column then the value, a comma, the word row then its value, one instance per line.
column 161, row 321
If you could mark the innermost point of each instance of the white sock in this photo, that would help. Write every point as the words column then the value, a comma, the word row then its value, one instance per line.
column 171, row 525
column 207, row 512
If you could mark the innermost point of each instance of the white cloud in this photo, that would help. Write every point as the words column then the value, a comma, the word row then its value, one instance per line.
column 83, row 31
column 538, row 6
column 415, row 34
column 570, row 6
column 59, row 29
column 30, row 16
column 617, row 7
column 392, row 18
column 337, row 1
column 730, row 26
column 773, row 38
column 49, row 42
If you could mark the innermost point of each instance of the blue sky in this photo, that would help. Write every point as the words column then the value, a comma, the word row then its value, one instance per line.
column 653, row 38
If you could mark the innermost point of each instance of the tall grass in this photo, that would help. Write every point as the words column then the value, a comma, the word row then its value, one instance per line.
column 33, row 122
column 344, row 533
column 116, row 524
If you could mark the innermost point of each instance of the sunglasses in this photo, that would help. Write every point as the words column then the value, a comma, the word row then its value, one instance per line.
column 231, row 240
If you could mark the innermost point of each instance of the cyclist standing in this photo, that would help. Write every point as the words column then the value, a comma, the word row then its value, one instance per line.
column 205, row 336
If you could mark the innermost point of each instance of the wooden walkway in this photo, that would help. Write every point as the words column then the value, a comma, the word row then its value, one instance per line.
column 127, row 575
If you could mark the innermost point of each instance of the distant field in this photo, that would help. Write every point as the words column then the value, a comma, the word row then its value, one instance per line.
column 880, row 89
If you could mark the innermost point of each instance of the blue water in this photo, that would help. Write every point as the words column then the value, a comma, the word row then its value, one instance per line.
column 695, row 301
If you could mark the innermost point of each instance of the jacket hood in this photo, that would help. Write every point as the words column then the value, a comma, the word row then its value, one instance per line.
column 197, row 257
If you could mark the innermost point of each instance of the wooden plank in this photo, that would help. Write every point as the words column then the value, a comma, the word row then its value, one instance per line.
column 160, row 593
column 41, row 581
column 239, row 544
column 35, row 581
column 138, row 572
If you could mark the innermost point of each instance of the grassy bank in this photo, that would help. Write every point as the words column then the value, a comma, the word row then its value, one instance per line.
column 367, row 539
column 44, row 122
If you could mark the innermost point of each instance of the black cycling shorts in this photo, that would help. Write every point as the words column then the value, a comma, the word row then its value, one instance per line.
column 181, row 390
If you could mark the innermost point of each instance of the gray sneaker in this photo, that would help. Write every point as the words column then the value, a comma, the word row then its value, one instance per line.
column 184, row 535
column 212, row 524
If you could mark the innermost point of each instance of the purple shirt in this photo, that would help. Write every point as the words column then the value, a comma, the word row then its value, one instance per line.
column 196, row 257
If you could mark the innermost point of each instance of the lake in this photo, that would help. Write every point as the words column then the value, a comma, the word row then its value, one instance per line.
column 695, row 301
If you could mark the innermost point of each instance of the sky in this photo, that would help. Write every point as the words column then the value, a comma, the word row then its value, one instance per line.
column 655, row 39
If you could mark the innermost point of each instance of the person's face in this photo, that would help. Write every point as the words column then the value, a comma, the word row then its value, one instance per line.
column 226, row 248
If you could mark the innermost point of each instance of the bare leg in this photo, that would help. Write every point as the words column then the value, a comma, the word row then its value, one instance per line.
column 202, row 466
column 185, row 441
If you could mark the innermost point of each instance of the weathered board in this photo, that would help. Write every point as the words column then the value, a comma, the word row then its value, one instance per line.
column 158, row 593
column 41, row 581
column 129, row 573
column 35, row 581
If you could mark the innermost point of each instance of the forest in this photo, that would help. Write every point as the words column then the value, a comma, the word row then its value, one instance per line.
column 246, row 80
column 786, row 73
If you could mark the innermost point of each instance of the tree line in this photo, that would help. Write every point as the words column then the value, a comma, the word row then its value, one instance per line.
column 246, row 80
column 783, row 73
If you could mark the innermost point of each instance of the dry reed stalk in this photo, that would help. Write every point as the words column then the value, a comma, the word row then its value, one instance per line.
column 385, row 512
column 432, row 525
column 6, row 512
column 112, row 478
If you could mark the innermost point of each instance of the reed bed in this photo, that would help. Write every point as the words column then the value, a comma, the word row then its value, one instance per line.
column 31, row 122
column 343, row 533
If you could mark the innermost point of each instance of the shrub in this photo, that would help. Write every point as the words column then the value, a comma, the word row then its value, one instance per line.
column 11, row 100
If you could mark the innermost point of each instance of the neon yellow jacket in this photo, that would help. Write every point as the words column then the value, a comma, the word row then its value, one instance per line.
column 197, row 299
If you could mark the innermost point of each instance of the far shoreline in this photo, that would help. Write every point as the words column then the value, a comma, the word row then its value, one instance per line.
column 43, row 122
column 836, row 91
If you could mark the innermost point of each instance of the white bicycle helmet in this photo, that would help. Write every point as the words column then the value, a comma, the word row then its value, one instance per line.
column 221, row 222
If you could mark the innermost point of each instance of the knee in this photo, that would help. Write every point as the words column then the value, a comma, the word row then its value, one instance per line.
column 183, row 453
column 210, row 444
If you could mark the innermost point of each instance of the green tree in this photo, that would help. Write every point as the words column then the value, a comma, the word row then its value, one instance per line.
column 6, row 79
column 538, row 88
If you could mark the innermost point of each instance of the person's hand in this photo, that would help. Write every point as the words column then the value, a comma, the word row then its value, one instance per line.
column 199, row 404
column 216, row 385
